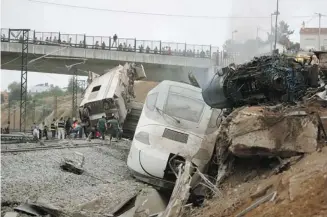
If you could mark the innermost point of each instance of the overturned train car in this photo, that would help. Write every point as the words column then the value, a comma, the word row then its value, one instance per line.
column 265, row 79
column 110, row 94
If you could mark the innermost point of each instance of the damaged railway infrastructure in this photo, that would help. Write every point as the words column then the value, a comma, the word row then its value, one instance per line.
column 251, row 122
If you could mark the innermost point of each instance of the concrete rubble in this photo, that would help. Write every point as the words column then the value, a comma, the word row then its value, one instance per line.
column 267, row 131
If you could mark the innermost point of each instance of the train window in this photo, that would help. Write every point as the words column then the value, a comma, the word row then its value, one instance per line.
column 96, row 88
column 184, row 107
column 151, row 101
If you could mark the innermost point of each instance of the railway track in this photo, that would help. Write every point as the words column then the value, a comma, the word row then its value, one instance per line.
column 41, row 148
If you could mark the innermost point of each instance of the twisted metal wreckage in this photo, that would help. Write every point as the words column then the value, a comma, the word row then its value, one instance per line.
column 266, row 79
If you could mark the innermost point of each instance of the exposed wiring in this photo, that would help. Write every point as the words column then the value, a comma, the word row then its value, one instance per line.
column 11, row 61
column 33, row 60
column 217, row 125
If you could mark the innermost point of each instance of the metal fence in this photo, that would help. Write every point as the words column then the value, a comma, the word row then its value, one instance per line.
column 121, row 44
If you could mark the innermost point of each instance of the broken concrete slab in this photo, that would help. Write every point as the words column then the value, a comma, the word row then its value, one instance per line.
column 11, row 214
column 269, row 132
column 39, row 207
column 147, row 202
column 28, row 209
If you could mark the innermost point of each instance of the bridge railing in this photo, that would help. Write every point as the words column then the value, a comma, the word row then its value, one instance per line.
column 121, row 44
column 4, row 34
column 148, row 46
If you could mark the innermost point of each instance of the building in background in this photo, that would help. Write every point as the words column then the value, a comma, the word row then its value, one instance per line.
column 4, row 97
column 309, row 38
column 266, row 49
column 39, row 88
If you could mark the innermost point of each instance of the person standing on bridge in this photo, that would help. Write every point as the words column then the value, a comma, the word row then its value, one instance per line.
column 114, row 43
column 61, row 128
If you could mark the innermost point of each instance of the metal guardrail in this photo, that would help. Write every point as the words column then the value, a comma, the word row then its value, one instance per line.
column 121, row 44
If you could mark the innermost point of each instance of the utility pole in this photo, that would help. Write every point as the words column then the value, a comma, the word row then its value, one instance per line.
column 9, row 109
column 74, row 96
column 33, row 110
column 235, row 31
column 14, row 125
column 55, row 107
column 23, row 78
column 319, row 31
column 257, row 38
column 276, row 25
column 271, row 30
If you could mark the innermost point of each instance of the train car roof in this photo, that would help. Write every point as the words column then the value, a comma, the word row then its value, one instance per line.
column 181, row 84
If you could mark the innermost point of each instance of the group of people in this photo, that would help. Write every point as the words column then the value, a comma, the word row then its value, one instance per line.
column 165, row 50
column 63, row 129
column 60, row 129
column 106, row 125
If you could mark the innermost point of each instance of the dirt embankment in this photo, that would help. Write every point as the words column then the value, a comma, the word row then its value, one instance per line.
column 142, row 88
column 301, row 191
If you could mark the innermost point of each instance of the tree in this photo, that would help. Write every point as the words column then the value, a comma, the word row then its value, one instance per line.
column 14, row 91
column 2, row 99
column 294, row 46
column 70, row 86
column 53, row 91
column 283, row 34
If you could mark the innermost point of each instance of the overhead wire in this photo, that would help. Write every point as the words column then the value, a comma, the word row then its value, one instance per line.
column 11, row 60
column 155, row 14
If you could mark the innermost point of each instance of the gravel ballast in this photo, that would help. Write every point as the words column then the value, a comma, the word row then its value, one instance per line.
column 104, row 184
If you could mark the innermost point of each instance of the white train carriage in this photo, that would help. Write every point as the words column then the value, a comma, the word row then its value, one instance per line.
column 110, row 93
column 175, row 123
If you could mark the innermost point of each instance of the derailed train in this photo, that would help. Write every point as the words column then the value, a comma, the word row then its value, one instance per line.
column 265, row 79
column 175, row 124
column 111, row 94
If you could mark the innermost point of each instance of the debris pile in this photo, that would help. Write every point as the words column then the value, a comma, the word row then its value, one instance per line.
column 266, row 79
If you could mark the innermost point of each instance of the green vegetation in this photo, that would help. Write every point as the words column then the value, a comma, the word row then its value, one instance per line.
column 14, row 92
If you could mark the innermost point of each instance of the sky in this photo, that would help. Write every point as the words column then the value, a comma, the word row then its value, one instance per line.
column 204, row 22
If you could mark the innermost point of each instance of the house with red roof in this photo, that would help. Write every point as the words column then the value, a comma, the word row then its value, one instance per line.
column 309, row 38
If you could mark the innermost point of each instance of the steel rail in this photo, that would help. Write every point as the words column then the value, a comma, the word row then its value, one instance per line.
column 41, row 148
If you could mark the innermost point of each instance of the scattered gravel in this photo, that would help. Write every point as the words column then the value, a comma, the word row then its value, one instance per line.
column 105, row 183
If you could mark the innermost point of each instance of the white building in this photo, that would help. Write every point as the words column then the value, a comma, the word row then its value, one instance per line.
column 39, row 88
column 266, row 49
column 309, row 38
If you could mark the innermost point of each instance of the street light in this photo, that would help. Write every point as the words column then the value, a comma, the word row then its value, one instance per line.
column 235, row 31
column 277, row 13
column 271, row 27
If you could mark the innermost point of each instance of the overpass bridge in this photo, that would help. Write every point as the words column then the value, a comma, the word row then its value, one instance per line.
column 161, row 60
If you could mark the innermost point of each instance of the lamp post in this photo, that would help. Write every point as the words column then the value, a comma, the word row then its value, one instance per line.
column 271, row 28
column 277, row 13
column 235, row 31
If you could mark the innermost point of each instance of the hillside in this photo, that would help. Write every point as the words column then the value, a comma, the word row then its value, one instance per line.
column 44, row 109
column 301, row 190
